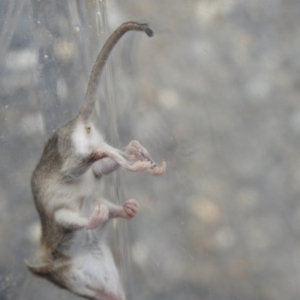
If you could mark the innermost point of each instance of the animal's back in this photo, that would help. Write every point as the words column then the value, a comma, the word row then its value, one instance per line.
column 62, row 249
column 43, row 181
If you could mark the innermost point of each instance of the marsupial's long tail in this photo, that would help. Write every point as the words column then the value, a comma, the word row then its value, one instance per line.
column 90, row 97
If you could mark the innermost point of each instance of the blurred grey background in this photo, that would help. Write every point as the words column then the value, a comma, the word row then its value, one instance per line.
column 215, row 93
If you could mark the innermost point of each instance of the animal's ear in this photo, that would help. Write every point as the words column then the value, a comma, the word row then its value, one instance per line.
column 53, row 273
column 41, row 270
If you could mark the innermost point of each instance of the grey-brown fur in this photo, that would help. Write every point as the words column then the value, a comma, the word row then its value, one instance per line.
column 66, row 193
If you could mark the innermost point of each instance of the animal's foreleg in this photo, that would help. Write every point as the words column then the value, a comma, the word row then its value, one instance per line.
column 127, row 211
column 72, row 220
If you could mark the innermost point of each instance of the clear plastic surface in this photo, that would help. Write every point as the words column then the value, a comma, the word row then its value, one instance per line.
column 215, row 93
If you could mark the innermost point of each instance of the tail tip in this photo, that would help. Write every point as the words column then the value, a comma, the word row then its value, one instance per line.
column 145, row 27
column 149, row 31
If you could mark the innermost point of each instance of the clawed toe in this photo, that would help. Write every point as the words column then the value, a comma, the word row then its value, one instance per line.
column 144, row 162
column 157, row 170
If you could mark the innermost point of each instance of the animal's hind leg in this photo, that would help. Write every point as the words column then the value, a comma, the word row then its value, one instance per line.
column 135, row 149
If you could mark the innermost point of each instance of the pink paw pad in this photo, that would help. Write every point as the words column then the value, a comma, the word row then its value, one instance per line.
column 130, row 208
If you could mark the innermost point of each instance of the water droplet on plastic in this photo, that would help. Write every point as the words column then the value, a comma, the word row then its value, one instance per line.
column 77, row 28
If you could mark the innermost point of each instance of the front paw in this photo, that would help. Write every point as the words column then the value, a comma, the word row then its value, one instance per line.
column 130, row 208
column 99, row 216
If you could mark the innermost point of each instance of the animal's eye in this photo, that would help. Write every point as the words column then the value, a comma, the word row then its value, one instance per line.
column 88, row 129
